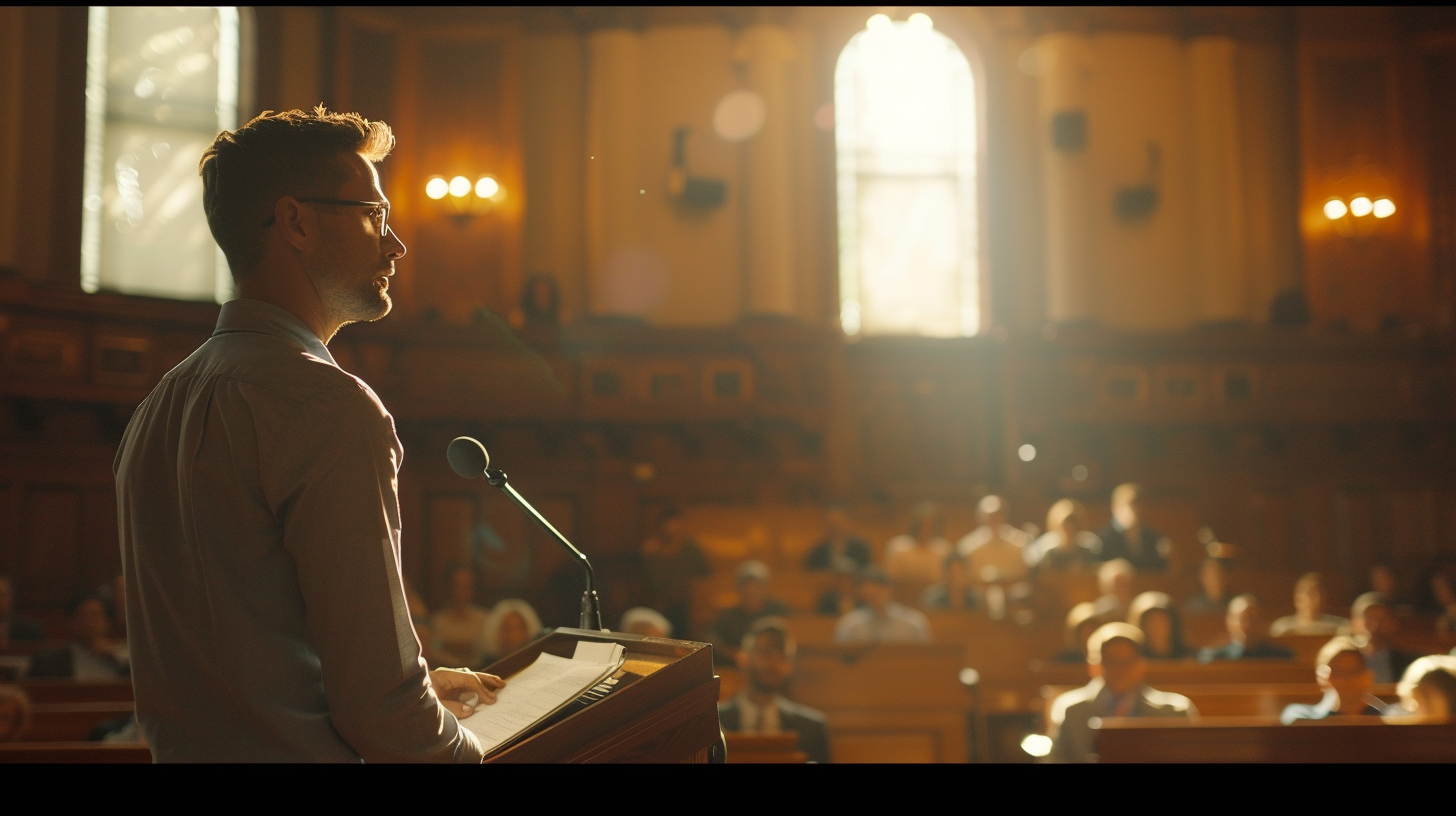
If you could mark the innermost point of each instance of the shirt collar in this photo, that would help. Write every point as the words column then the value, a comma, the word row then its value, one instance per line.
column 244, row 315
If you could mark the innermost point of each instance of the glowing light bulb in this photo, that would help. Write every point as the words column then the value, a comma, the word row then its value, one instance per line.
column 879, row 22
column 1360, row 207
column 1037, row 745
column 1384, row 208
column 1026, row 452
column 921, row 21
column 1335, row 209
column 460, row 186
column 487, row 187
column 437, row 188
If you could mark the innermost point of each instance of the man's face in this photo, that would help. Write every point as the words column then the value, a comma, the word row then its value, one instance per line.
column 1243, row 621
column 1123, row 666
column 1348, row 676
column 1211, row 577
column 1308, row 601
column 767, row 665
column 875, row 595
column 90, row 622
column 1377, row 623
column 351, row 262
column 752, row 594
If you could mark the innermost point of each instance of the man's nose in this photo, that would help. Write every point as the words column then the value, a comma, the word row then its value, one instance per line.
column 395, row 247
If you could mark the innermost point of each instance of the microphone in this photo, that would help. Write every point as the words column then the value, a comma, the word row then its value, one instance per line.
column 469, row 460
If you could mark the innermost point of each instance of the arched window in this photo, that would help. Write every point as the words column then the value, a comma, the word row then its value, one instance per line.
column 905, row 134
column 160, row 84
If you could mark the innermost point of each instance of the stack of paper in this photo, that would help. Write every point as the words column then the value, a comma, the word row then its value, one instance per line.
column 540, row 690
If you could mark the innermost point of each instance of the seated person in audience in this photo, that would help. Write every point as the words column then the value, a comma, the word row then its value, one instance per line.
column 1374, row 626
column 1246, row 630
column 1127, row 536
column 881, row 619
column 14, row 628
column 993, row 552
column 1114, row 581
column 512, row 624
column 1213, row 595
column 1443, row 592
column 1067, row 545
column 1082, row 621
column 645, row 621
column 671, row 560
column 1153, row 613
column 1428, row 690
column 957, row 591
column 838, row 543
column 1115, row 658
column 91, row 654
column 919, row 556
column 754, row 603
column 767, row 657
column 1384, row 581
column 1346, row 681
column 840, row 598
column 459, row 629
column 14, row 714
column 1308, row 619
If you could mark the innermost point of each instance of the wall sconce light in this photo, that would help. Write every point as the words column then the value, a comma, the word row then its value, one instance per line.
column 463, row 199
column 1360, row 215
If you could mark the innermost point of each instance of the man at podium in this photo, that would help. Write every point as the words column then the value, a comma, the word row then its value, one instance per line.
column 256, row 485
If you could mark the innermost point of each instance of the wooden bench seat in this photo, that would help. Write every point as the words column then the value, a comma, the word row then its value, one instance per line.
column 765, row 749
column 1261, row 740
column 1215, row 700
column 72, row 691
column 72, row 722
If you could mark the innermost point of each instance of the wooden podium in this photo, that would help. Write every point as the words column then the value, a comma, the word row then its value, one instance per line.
column 669, row 715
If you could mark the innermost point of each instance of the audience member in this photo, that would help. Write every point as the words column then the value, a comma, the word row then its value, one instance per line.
column 113, row 592
column 767, row 657
column 1154, row 614
column 459, row 628
column 91, row 654
column 512, row 624
column 1082, row 621
column 1373, row 627
column 956, row 590
column 541, row 300
column 840, row 597
column 919, row 556
column 1114, row 581
column 14, row 714
column 1444, row 595
column 1345, row 680
column 12, row 626
column 754, row 603
column 881, row 619
column 1127, row 536
column 1067, row 545
column 1117, row 689
column 839, row 543
column 1247, row 630
column 645, row 621
column 1383, row 580
column 1213, row 594
column 1427, row 689
column 672, row 560
column 1308, row 619
column 993, row 552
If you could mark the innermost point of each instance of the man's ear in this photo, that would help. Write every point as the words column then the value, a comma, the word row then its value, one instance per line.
column 289, row 216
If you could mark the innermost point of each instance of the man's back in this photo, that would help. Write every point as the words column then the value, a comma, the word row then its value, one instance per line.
column 259, row 537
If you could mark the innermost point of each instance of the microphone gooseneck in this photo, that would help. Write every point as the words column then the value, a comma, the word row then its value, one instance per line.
column 469, row 459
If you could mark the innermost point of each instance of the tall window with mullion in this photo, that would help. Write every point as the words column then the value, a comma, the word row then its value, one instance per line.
column 906, row 143
column 160, row 84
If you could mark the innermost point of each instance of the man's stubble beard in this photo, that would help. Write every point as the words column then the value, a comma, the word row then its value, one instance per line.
column 356, row 303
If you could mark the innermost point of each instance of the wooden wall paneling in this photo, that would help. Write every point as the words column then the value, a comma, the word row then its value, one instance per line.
column 50, row 540
column 99, row 552
column 10, row 530
column 451, row 526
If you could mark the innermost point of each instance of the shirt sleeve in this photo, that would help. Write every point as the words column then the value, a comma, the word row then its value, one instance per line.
column 336, row 499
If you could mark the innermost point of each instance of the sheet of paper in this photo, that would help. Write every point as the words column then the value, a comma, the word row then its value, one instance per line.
column 592, row 652
column 533, row 693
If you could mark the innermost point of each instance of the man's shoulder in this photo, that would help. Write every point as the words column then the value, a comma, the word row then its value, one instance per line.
column 1167, row 702
column 1071, row 703
column 790, row 709
column 906, row 613
column 268, row 365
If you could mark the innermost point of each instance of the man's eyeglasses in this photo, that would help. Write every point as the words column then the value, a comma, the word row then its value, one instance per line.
column 380, row 215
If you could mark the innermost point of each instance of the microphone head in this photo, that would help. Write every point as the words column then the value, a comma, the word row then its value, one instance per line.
column 467, row 457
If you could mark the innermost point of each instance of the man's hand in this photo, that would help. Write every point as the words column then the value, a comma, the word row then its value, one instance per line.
column 461, row 690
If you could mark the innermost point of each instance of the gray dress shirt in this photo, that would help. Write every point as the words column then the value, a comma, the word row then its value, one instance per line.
column 256, row 494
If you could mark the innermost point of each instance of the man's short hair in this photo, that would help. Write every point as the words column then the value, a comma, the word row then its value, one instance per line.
column 645, row 615
column 1126, row 493
column 1108, row 633
column 990, row 504
column 1308, row 581
column 1243, row 600
column 774, row 632
column 245, row 171
column 1418, row 672
column 1367, row 600
column 1336, row 647
column 1110, row 569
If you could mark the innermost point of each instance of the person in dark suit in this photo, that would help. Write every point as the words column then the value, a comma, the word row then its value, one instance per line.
column 761, row 708
column 1373, row 626
column 1246, row 630
column 839, row 543
column 1127, row 536
column 89, row 655
column 13, row 627
column 754, row 603
column 1345, row 680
